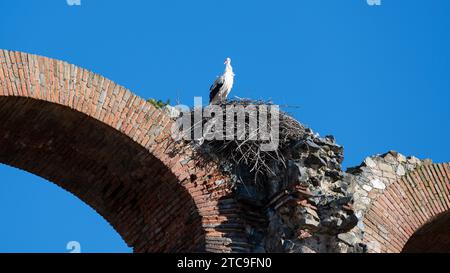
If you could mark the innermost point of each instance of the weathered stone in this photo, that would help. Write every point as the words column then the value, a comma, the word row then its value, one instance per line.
column 389, row 175
column 365, row 200
column 311, row 222
column 401, row 158
column 331, row 139
column 313, row 146
column 348, row 238
column 367, row 188
column 427, row 162
column 315, row 161
column 413, row 160
column 393, row 153
column 360, row 224
column 389, row 158
column 312, row 212
column 377, row 172
column 297, row 174
column 400, row 170
column 385, row 167
column 342, row 247
column 370, row 163
column 360, row 193
column 377, row 184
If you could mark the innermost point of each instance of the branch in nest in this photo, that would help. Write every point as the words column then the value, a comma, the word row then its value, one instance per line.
column 247, row 152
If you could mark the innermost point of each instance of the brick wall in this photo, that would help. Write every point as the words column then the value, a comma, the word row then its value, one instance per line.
column 410, row 203
column 396, row 197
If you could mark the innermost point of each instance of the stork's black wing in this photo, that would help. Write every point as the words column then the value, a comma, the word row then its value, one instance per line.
column 215, row 88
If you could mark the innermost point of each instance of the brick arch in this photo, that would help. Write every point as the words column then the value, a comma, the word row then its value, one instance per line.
column 406, row 207
column 109, row 147
column 433, row 237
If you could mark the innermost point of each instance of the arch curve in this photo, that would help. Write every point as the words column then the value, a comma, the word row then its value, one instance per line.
column 109, row 147
column 408, row 207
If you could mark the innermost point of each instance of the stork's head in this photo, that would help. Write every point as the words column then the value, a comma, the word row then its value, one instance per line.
column 228, row 61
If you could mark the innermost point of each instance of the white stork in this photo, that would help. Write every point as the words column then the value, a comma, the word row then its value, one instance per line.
column 221, row 88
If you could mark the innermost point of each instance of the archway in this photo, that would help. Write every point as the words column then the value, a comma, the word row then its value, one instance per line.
column 110, row 148
column 433, row 237
column 411, row 213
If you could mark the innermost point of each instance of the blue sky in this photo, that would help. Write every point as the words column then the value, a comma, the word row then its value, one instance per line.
column 377, row 78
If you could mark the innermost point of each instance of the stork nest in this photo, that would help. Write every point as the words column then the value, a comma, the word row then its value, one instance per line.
column 245, row 152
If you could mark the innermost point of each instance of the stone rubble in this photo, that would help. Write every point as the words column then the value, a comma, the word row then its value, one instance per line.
column 312, row 205
column 308, row 204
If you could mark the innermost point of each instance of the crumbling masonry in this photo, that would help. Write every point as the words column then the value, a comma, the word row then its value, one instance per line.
column 110, row 148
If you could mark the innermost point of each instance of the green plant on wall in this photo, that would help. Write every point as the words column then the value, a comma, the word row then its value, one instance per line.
column 158, row 103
